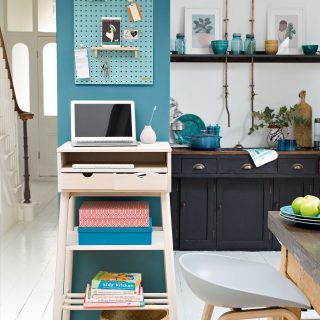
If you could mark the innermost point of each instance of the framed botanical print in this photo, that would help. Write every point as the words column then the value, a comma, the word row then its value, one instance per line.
column 201, row 27
column 111, row 31
column 287, row 26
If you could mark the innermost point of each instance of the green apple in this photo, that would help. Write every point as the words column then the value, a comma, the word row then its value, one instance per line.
column 296, row 204
column 309, row 208
column 313, row 198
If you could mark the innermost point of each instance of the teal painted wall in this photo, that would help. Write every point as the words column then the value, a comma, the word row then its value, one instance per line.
column 87, row 264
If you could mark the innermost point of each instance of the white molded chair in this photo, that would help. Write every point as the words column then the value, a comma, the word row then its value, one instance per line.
column 235, row 283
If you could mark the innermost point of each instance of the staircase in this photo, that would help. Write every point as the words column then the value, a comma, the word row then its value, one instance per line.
column 10, row 180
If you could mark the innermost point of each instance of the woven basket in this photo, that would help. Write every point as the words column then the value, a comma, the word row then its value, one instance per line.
column 135, row 315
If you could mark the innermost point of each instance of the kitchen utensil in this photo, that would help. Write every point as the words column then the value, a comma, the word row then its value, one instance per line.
column 303, row 123
column 271, row 47
column 310, row 49
column 205, row 141
column 316, row 145
column 193, row 125
column 220, row 47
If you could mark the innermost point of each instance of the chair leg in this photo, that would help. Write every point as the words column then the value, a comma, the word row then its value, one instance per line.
column 207, row 312
column 259, row 313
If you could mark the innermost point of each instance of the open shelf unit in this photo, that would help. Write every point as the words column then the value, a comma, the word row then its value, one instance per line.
column 96, row 50
column 260, row 57
column 153, row 301
column 151, row 177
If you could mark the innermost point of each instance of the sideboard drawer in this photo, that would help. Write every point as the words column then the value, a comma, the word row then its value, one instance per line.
column 114, row 181
column 244, row 165
column 297, row 166
column 199, row 166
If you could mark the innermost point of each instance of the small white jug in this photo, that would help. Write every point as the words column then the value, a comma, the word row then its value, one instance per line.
column 148, row 136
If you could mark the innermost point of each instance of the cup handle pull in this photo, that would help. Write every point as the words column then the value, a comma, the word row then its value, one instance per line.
column 297, row 166
column 247, row 166
column 199, row 167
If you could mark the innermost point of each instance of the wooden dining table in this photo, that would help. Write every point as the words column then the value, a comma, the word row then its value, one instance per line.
column 300, row 255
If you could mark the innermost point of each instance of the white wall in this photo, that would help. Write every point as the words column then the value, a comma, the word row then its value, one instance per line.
column 198, row 87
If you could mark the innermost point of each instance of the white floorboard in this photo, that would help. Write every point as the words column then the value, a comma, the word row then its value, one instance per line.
column 27, row 262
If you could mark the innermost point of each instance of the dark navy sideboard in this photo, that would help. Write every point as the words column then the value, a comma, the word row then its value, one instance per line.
column 220, row 200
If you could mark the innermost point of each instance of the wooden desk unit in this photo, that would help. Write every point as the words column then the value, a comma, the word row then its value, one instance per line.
column 151, row 177
column 300, row 256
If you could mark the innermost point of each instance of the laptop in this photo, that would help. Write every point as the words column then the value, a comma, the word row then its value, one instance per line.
column 103, row 123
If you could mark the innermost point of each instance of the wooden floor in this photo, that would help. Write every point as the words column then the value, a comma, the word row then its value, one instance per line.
column 27, row 263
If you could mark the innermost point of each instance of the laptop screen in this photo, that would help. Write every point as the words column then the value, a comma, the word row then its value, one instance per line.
column 102, row 120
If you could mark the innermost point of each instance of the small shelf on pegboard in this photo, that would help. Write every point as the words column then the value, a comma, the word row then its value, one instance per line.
column 96, row 50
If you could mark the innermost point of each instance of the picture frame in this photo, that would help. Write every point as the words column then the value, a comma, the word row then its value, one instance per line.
column 287, row 23
column 201, row 27
column 111, row 31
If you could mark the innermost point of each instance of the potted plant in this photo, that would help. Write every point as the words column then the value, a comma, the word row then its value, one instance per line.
column 203, row 27
column 277, row 123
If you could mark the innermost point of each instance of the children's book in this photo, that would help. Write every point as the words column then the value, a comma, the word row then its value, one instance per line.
column 89, row 303
column 116, row 281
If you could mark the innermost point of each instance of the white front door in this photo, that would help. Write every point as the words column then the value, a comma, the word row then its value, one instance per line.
column 47, row 77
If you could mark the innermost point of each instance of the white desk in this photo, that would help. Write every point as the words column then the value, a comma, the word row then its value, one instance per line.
column 150, row 177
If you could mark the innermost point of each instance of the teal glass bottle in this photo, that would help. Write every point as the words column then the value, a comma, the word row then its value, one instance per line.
column 250, row 44
column 236, row 44
column 180, row 44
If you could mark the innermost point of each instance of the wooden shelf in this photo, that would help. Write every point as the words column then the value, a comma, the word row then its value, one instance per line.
column 157, row 243
column 260, row 57
column 153, row 301
column 96, row 50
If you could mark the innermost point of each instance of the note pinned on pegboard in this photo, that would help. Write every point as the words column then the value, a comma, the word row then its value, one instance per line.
column 125, row 67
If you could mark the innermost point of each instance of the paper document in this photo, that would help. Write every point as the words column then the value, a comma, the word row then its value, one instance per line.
column 82, row 63
column 262, row 156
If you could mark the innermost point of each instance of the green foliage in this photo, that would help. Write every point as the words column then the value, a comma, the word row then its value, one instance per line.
column 269, row 118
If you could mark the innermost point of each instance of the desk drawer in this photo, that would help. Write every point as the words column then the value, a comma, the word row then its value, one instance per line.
column 199, row 166
column 297, row 166
column 114, row 181
column 244, row 165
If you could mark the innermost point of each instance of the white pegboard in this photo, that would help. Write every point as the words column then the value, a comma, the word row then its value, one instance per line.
column 124, row 68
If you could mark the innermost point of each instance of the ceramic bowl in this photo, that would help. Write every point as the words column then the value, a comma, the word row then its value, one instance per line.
column 310, row 49
column 220, row 47
column 271, row 47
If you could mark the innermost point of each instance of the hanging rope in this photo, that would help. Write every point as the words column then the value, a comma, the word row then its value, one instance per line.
column 252, row 83
column 226, row 85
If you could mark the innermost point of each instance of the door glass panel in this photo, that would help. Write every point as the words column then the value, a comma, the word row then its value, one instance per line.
column 20, row 75
column 20, row 15
column 50, row 79
column 47, row 15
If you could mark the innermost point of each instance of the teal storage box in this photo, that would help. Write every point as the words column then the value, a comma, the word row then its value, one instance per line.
column 116, row 236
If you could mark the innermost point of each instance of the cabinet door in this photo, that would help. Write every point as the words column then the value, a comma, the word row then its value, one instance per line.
column 243, row 206
column 175, row 205
column 286, row 190
column 197, row 214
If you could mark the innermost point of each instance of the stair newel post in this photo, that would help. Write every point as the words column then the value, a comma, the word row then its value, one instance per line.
column 27, row 194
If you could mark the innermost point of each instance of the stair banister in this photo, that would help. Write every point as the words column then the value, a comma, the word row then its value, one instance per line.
column 24, row 116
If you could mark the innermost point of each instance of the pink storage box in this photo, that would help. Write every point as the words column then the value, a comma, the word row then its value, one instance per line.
column 114, row 214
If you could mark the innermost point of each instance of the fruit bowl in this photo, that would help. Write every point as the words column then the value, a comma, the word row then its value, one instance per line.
column 289, row 212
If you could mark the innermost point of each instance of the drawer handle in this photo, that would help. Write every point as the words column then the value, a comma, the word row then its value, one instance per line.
column 87, row 174
column 297, row 166
column 247, row 166
column 199, row 167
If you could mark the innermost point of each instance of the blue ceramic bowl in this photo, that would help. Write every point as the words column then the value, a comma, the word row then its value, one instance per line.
column 220, row 47
column 310, row 49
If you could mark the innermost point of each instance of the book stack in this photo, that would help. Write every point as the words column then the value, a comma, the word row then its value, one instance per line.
column 114, row 214
column 114, row 290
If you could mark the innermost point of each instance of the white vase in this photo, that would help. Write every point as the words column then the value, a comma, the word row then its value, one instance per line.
column 148, row 136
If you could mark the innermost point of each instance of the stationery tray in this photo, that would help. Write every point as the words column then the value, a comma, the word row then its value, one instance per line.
column 288, row 214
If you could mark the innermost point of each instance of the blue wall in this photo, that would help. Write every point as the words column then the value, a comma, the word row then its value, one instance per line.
column 87, row 264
